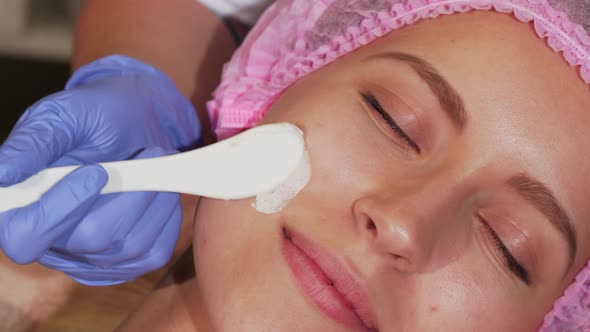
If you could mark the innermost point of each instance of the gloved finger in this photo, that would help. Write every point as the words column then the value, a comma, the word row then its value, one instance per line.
column 105, row 227
column 111, row 219
column 162, row 251
column 40, row 137
column 81, row 272
column 156, row 258
column 29, row 231
column 141, row 239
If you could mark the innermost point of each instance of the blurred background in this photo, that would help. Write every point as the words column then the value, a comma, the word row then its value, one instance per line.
column 35, row 46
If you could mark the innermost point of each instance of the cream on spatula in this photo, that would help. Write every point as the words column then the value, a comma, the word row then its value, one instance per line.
column 251, row 163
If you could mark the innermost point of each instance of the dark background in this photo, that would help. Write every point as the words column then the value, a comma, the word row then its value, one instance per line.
column 31, row 67
column 23, row 82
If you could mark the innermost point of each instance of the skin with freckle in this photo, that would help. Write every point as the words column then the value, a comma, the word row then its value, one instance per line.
column 407, row 225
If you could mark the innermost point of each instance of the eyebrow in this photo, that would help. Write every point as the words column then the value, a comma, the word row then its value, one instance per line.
column 543, row 199
column 450, row 100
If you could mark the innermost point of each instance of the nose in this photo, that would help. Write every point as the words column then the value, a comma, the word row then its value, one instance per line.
column 406, row 235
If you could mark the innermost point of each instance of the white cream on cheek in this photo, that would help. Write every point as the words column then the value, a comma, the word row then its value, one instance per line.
column 276, row 199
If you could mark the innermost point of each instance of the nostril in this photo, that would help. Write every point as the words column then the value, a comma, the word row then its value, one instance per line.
column 396, row 257
column 371, row 227
column 402, row 263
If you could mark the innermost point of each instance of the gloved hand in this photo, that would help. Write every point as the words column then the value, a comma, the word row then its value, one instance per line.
column 110, row 110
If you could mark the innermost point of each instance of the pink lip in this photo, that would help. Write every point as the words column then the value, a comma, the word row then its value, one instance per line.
column 327, row 283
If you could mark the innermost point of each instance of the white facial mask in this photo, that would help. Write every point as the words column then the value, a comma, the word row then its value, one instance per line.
column 276, row 199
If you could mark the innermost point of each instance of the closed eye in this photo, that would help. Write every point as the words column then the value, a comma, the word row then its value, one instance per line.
column 397, row 130
column 513, row 265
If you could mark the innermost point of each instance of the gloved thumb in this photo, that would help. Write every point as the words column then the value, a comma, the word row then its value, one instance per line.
column 26, row 233
column 40, row 138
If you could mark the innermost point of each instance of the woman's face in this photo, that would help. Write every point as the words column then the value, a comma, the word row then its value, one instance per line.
column 447, row 194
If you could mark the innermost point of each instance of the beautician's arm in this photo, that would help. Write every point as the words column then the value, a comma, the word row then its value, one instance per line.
column 130, row 105
column 180, row 37
column 185, row 41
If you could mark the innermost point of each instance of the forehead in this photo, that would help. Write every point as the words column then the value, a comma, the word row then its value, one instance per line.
column 526, row 106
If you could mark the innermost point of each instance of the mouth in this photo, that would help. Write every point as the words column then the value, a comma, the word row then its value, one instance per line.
column 327, row 283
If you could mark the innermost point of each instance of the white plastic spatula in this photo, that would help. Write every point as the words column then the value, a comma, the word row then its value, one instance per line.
column 245, row 165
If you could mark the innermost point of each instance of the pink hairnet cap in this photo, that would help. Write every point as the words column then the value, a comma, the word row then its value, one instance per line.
column 295, row 37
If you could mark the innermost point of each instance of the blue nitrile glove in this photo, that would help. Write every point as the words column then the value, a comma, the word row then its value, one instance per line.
column 111, row 110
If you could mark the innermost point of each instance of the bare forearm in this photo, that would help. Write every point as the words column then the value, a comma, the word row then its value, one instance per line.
column 180, row 37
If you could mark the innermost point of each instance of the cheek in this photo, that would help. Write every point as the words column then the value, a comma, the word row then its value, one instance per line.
column 463, row 298
column 232, row 244
column 221, row 232
column 210, row 219
column 342, row 148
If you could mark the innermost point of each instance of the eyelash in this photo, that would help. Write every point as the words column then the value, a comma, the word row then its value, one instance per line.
column 376, row 106
column 513, row 265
